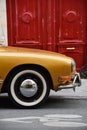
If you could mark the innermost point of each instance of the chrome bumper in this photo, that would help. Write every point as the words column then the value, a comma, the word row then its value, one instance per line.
column 76, row 82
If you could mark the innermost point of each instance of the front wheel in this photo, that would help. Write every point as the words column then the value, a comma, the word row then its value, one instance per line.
column 28, row 88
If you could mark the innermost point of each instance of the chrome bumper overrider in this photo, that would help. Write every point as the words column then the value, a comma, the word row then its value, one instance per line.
column 76, row 82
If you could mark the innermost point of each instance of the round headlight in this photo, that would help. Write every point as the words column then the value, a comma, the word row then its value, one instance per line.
column 73, row 65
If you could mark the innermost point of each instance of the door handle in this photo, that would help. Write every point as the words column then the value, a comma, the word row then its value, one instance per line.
column 70, row 48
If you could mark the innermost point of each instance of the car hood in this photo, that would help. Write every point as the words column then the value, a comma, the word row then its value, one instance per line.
column 26, row 50
column 30, row 52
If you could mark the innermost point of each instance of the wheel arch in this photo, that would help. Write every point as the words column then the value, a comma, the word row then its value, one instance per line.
column 39, row 68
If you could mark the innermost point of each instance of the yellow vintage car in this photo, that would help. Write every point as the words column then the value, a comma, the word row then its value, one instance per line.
column 28, row 75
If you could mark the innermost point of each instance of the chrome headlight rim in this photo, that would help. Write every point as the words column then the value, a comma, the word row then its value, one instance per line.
column 73, row 65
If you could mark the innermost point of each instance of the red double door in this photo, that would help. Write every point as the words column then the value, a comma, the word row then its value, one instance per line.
column 55, row 25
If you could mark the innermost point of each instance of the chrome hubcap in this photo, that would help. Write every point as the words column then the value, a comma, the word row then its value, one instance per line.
column 28, row 88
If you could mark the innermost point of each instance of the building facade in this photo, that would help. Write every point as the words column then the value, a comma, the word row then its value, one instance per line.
column 54, row 25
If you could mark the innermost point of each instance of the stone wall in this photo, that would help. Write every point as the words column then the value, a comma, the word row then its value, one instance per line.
column 3, row 23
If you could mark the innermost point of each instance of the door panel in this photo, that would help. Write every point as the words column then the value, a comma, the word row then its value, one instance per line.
column 73, row 28
column 73, row 20
column 34, row 23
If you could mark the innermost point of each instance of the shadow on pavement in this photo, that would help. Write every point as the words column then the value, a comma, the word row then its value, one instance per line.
column 5, row 102
column 62, row 103
column 53, row 102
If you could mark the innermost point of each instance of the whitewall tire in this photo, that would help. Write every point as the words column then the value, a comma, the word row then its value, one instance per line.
column 28, row 88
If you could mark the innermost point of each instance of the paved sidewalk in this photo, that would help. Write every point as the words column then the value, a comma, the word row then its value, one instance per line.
column 80, row 92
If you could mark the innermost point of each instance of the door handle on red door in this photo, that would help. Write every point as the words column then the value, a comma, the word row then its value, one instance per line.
column 70, row 48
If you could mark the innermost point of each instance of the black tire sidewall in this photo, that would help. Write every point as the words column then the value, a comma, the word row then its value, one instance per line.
column 42, row 76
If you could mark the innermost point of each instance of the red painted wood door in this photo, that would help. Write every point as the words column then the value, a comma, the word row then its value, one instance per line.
column 55, row 25
column 73, row 30
column 33, row 23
